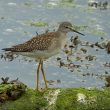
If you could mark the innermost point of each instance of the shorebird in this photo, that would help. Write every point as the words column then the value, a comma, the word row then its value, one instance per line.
column 43, row 46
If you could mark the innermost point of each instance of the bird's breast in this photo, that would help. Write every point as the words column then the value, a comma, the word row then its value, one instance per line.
column 63, row 40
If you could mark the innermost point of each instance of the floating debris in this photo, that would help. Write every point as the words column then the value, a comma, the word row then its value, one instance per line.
column 37, row 33
column 8, row 56
column 52, row 82
column 58, row 58
column 98, row 32
column 108, row 47
column 71, row 49
column 81, row 27
column 58, row 81
column 78, row 58
column 98, row 4
column 90, row 57
column 106, row 72
column 107, row 64
column 83, row 50
column 2, row 18
column 72, row 66
column 61, row 64
column 47, row 30
column 5, row 80
column 101, row 46
column 37, row 23
column 28, row 4
column 75, row 41
column 108, row 81
column 67, row 51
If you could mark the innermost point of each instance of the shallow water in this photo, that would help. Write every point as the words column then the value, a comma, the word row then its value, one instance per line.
column 14, row 29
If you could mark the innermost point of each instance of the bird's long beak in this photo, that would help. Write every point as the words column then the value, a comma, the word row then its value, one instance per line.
column 71, row 28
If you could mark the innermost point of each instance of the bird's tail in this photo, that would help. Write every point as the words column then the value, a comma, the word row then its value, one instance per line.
column 8, row 49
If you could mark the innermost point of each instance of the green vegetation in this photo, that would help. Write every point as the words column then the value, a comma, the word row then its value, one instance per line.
column 81, row 27
column 67, row 3
column 98, row 32
column 91, row 99
column 37, row 23
column 31, row 100
column 62, row 3
column 9, row 87
column 61, row 99
column 28, row 4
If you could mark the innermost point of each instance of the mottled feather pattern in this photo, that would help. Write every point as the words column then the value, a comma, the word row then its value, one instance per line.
column 40, row 42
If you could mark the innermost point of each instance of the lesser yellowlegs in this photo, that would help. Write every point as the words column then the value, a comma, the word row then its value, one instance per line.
column 44, row 46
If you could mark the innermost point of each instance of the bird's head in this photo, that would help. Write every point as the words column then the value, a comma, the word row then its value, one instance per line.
column 67, row 27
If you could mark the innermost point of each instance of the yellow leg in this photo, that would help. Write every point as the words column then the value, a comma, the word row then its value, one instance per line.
column 43, row 75
column 38, row 75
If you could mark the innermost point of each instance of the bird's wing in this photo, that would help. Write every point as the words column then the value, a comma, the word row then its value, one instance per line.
column 40, row 42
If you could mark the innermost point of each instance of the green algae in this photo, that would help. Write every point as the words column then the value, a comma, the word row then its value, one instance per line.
column 28, row 4
column 5, row 87
column 88, row 9
column 81, row 27
column 98, row 32
column 62, row 3
column 37, row 23
column 61, row 99
column 94, row 99
column 8, row 87
column 31, row 100
column 67, row 3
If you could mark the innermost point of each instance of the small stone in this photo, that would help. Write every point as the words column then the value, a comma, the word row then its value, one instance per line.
column 108, row 47
column 81, row 98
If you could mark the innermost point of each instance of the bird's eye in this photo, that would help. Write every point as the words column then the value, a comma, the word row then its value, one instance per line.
column 66, row 27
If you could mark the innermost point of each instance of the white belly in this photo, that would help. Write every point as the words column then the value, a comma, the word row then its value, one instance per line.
column 39, row 54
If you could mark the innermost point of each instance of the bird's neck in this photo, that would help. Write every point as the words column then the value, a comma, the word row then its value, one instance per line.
column 62, row 32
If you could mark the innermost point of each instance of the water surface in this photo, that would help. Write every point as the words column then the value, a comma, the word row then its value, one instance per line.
column 15, row 17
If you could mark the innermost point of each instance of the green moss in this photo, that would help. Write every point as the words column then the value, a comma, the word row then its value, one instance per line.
column 81, row 27
column 92, row 21
column 31, row 100
column 87, row 9
column 67, row 99
column 37, row 23
column 62, row 3
column 8, row 87
column 67, row 3
column 5, row 87
column 98, row 32
column 94, row 99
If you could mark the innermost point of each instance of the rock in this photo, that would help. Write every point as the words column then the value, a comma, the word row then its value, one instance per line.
column 11, row 90
column 108, row 47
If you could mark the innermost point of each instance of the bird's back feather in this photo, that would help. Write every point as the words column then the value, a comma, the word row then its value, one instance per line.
column 40, row 42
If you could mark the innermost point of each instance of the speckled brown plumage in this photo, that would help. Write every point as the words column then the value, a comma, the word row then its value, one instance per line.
column 40, row 42
column 48, row 41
